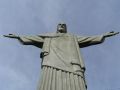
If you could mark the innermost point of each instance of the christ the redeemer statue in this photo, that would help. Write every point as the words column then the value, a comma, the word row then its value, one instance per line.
column 62, row 64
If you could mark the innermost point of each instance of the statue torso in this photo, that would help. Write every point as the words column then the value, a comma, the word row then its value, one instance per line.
column 63, row 51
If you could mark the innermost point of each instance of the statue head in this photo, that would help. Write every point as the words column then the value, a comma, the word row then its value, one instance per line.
column 61, row 28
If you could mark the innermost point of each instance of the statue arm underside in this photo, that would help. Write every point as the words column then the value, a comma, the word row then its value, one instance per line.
column 32, row 40
column 90, row 40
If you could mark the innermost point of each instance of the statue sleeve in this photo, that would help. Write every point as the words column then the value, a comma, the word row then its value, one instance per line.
column 90, row 40
column 32, row 40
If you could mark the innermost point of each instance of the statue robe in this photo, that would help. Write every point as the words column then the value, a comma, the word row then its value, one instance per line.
column 62, row 64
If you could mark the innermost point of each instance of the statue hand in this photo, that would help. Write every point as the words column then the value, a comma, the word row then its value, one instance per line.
column 109, row 34
column 11, row 36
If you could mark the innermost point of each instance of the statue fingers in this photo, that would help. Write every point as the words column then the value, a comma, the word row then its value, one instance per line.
column 6, row 35
column 11, row 36
column 117, row 32
column 112, row 33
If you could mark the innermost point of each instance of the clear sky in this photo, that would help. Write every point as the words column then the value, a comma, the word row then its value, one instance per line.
column 20, row 65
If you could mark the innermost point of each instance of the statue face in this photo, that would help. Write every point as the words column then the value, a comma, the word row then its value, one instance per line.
column 62, row 28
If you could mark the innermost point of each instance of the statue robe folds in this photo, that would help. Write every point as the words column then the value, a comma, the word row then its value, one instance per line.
column 62, row 64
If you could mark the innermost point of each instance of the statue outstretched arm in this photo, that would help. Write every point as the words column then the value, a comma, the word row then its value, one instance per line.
column 28, row 40
column 93, row 40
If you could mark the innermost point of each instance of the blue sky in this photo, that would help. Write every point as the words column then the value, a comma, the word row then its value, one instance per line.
column 20, row 65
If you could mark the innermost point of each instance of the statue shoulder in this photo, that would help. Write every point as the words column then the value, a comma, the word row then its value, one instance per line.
column 70, row 34
column 48, row 35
